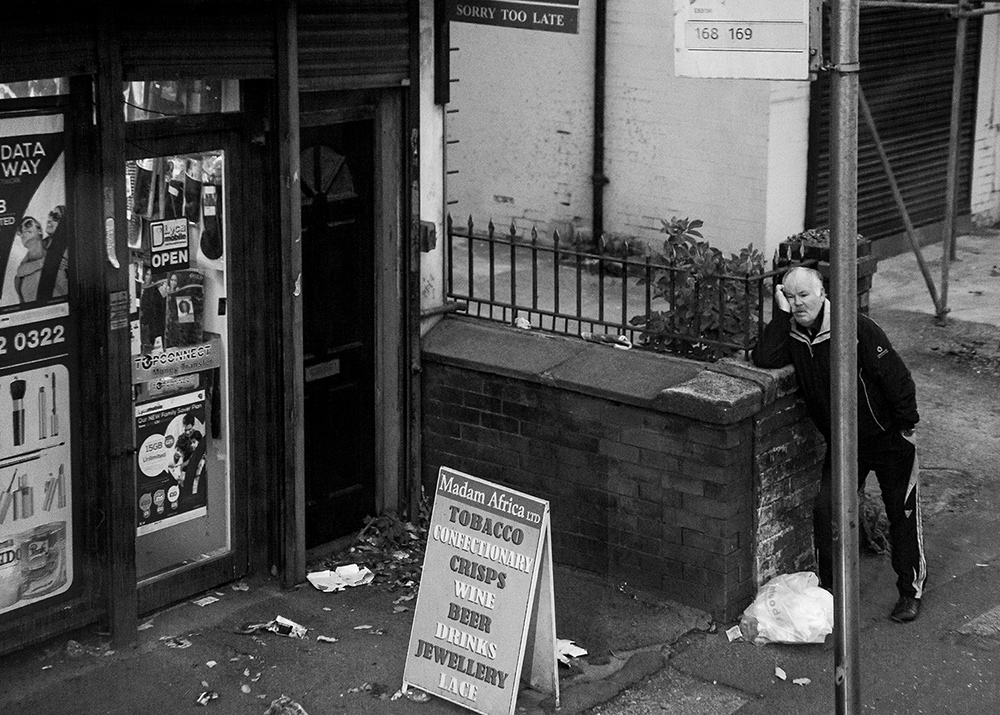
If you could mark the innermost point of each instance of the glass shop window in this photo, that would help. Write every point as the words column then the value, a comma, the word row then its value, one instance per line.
column 35, row 88
column 177, row 245
column 172, row 98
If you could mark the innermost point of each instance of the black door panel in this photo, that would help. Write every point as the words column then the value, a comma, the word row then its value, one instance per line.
column 338, row 327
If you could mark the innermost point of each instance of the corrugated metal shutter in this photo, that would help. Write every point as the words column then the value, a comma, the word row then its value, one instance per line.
column 907, row 64
column 187, row 38
column 345, row 44
column 44, row 43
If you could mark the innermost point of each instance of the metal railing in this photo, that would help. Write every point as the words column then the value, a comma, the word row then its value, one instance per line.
column 642, row 301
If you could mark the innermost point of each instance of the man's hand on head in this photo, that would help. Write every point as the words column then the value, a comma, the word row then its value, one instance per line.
column 779, row 296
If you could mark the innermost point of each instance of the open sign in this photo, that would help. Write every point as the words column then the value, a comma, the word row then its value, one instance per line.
column 168, row 242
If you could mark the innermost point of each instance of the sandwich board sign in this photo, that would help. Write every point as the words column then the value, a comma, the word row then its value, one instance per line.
column 485, row 609
column 743, row 39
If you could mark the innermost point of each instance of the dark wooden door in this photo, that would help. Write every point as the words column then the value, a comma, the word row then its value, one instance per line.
column 337, row 164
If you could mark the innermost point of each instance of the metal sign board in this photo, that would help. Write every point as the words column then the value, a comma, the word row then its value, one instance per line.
column 546, row 15
column 742, row 39
column 485, row 610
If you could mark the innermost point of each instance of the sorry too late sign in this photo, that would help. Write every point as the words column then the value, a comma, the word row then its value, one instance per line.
column 484, row 609
column 547, row 15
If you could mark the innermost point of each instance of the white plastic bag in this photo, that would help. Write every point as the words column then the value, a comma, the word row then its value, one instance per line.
column 791, row 608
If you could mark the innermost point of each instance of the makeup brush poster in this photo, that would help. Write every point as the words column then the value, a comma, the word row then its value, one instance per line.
column 36, row 510
column 36, row 496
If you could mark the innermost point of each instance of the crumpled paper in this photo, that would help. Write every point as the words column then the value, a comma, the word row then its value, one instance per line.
column 340, row 578
column 280, row 625
column 566, row 649
column 285, row 706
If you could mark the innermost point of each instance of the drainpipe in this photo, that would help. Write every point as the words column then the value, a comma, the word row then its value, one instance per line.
column 598, row 178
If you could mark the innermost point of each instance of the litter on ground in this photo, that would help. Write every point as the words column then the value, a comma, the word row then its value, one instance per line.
column 284, row 705
column 179, row 642
column 280, row 625
column 566, row 649
column 415, row 694
column 206, row 697
column 340, row 578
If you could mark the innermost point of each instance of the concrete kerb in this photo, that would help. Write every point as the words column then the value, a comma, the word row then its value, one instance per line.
column 586, row 693
column 633, row 650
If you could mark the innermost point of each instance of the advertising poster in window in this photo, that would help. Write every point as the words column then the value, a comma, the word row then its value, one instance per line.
column 171, row 481
column 36, row 379
column 177, row 318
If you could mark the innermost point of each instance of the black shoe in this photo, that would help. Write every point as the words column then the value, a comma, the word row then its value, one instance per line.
column 907, row 609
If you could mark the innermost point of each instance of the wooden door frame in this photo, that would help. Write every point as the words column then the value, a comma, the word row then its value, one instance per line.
column 385, row 110
column 193, row 135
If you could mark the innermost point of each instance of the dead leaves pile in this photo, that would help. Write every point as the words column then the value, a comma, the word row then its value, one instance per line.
column 392, row 549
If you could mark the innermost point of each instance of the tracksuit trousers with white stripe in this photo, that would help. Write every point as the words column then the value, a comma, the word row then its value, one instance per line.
column 893, row 458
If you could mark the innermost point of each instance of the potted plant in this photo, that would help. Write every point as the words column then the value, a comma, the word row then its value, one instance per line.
column 814, row 245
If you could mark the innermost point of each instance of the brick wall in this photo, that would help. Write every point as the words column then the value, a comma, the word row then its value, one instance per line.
column 788, row 451
column 985, row 189
column 662, row 473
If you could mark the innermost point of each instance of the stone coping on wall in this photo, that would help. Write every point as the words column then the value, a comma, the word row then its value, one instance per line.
column 723, row 393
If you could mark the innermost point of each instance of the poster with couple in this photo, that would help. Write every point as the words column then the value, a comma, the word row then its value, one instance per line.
column 34, row 226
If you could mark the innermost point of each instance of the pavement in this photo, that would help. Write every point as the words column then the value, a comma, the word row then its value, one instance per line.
column 645, row 654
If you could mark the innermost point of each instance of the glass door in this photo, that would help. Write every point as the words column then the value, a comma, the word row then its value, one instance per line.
column 179, row 235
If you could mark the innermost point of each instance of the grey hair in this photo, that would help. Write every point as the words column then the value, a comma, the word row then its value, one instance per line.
column 810, row 272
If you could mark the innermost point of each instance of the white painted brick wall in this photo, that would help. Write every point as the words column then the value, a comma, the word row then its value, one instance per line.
column 522, row 117
column 519, row 124
column 431, row 165
column 985, row 198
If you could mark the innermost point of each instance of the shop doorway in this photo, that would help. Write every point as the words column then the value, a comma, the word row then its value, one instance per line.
column 187, row 202
column 338, row 293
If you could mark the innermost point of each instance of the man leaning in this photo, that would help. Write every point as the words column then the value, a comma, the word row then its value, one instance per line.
column 887, row 415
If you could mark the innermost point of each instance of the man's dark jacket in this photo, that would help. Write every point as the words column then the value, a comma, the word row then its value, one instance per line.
column 887, row 397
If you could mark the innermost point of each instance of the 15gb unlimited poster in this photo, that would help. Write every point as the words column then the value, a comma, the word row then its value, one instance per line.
column 171, row 483
column 34, row 223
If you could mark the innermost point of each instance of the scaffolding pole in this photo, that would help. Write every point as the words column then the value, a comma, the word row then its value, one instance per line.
column 948, row 238
column 844, row 317
column 961, row 11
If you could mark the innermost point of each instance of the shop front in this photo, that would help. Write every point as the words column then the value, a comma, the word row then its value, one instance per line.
column 191, row 355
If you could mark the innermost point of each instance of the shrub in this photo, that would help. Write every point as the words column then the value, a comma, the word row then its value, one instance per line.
column 690, row 276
